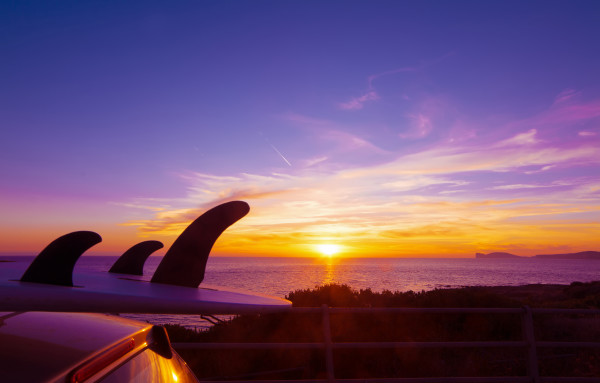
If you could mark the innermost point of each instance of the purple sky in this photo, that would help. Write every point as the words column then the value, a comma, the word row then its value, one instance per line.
column 387, row 127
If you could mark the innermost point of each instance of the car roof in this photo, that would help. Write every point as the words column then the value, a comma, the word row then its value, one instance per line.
column 44, row 346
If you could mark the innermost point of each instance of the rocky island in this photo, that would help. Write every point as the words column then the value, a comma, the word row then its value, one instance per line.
column 496, row 255
column 579, row 255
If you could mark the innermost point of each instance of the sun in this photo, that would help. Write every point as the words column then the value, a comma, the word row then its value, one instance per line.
column 328, row 249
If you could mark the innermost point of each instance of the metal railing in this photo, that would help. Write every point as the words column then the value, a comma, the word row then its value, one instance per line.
column 528, row 343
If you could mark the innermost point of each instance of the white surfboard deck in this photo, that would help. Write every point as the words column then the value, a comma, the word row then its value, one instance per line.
column 119, row 293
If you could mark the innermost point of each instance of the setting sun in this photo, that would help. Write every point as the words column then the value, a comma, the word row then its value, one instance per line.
column 328, row 249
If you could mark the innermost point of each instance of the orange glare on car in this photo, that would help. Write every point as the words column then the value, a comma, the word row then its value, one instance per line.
column 90, row 368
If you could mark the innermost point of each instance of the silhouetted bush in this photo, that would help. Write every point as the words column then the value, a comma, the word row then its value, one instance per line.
column 386, row 327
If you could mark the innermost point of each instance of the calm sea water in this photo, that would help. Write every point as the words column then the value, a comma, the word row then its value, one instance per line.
column 279, row 276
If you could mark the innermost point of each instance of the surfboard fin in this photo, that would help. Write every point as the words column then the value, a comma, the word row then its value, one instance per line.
column 185, row 262
column 132, row 261
column 54, row 265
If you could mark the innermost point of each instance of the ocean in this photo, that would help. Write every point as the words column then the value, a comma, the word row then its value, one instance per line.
column 279, row 276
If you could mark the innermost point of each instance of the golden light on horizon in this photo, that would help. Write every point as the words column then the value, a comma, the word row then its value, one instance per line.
column 328, row 249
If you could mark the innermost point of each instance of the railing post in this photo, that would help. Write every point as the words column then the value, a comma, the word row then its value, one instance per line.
column 328, row 344
column 529, row 337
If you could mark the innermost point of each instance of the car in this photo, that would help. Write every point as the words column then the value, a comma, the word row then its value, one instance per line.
column 86, row 347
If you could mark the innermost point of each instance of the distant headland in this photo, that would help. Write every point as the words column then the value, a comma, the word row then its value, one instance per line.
column 580, row 255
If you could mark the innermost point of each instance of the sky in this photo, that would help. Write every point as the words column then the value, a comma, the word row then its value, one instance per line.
column 385, row 128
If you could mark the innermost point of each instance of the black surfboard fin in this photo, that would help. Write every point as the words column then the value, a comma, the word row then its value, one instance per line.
column 185, row 262
column 132, row 261
column 54, row 265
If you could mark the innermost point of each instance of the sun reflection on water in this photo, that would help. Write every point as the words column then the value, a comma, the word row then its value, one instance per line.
column 330, row 272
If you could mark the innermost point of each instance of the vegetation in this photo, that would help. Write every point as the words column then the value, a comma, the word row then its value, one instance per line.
column 380, row 327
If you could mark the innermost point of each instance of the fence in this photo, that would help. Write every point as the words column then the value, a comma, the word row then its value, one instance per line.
column 528, row 343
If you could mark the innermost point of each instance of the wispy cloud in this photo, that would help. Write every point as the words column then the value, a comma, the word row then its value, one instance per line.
column 346, row 141
column 376, row 76
column 337, row 141
column 540, row 170
column 566, row 111
column 585, row 133
column 529, row 186
column 527, row 138
column 371, row 94
column 566, row 95
column 443, row 160
column 314, row 161
column 421, row 125
column 143, row 205
column 359, row 102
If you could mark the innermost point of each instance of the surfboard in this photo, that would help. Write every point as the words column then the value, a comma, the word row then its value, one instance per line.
column 48, row 284
column 132, row 261
column 105, row 292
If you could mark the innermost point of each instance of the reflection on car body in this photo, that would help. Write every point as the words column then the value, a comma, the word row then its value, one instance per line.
column 78, row 347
